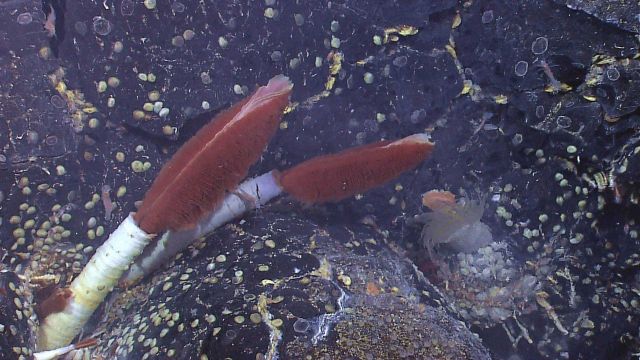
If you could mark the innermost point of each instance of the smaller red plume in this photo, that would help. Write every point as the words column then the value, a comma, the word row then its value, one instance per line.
column 85, row 343
column 56, row 302
column 338, row 176
column 439, row 200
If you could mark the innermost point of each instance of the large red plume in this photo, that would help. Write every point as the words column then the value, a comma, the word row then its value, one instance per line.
column 338, row 176
column 213, row 161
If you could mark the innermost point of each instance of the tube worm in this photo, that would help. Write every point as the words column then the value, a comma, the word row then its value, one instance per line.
column 214, row 161
column 92, row 285
column 189, row 186
column 325, row 176
column 55, row 353
column 335, row 177
column 54, row 303
column 249, row 195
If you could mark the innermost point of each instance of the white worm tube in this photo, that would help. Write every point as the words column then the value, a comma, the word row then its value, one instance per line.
column 53, row 354
column 94, row 283
column 249, row 195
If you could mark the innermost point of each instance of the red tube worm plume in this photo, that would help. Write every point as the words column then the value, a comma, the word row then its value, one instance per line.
column 56, row 302
column 214, row 161
column 439, row 200
column 85, row 343
column 338, row 176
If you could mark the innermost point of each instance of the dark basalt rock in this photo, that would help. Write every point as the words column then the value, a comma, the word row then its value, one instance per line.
column 279, row 284
column 16, row 317
column 621, row 15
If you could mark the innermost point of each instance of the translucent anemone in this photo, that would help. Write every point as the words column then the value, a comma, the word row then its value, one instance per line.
column 458, row 226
